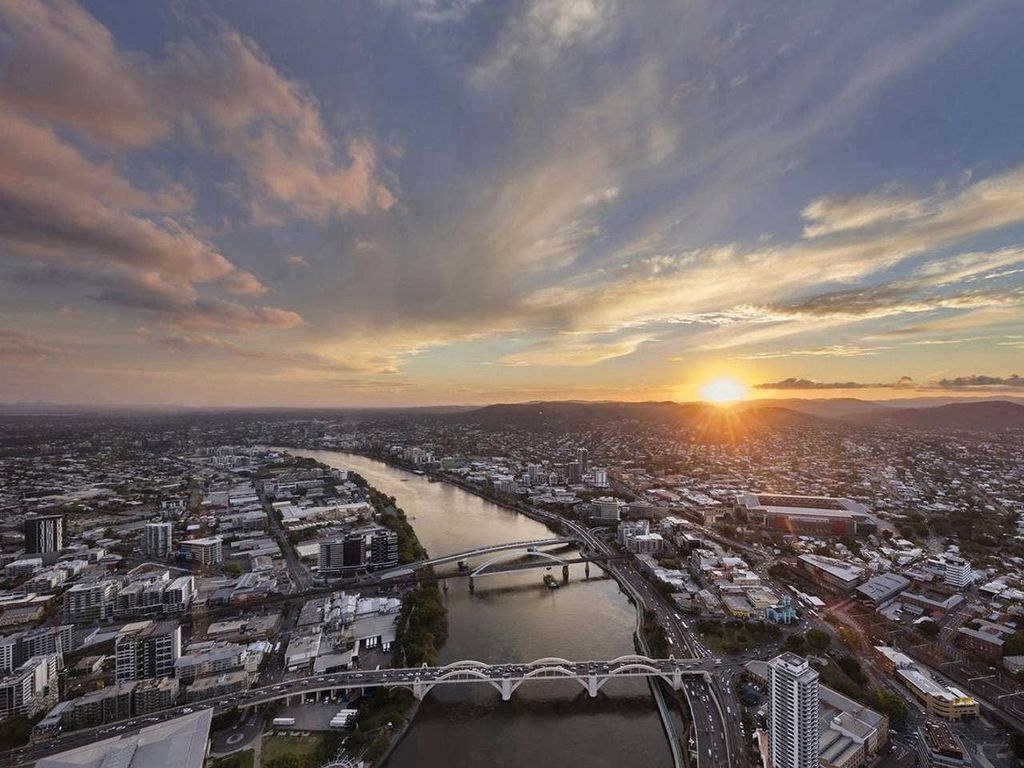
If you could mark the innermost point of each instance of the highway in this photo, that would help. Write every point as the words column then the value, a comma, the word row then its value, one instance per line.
column 720, row 726
column 505, row 678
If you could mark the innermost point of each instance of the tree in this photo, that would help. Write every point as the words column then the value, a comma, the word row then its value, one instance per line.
column 795, row 643
column 928, row 628
column 818, row 639
column 1014, row 645
column 851, row 667
column 891, row 705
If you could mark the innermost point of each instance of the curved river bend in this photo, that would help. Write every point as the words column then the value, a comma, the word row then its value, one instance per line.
column 514, row 617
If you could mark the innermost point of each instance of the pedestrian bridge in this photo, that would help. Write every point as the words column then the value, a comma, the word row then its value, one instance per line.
column 504, row 678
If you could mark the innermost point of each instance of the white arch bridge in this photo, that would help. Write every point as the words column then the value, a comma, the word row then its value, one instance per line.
column 503, row 558
column 504, row 678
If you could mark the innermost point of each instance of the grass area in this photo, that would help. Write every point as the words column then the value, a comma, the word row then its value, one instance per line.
column 291, row 750
column 736, row 636
column 370, row 735
column 238, row 760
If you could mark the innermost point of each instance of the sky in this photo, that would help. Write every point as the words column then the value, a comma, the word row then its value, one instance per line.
column 392, row 202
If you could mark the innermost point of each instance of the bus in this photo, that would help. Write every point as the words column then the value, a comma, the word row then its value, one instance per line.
column 284, row 721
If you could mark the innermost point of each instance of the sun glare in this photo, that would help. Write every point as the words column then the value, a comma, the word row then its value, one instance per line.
column 723, row 391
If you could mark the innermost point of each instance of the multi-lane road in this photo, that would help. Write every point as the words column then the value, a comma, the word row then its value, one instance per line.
column 719, row 727
column 592, row 675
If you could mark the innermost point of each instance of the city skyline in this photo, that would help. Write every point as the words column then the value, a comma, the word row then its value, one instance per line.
column 413, row 202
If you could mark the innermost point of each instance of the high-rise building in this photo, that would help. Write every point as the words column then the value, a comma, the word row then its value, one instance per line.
column 793, row 713
column 574, row 473
column 383, row 548
column 30, row 687
column 582, row 457
column 90, row 601
column 206, row 551
column 958, row 572
column 157, row 541
column 44, row 534
column 374, row 547
column 145, row 649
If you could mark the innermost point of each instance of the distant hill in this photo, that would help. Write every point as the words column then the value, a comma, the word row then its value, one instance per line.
column 827, row 407
column 708, row 420
column 987, row 416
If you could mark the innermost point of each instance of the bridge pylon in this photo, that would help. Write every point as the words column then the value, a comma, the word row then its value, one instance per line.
column 506, row 689
column 592, row 685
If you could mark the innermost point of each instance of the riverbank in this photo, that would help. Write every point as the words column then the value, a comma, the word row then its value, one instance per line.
column 385, row 717
column 669, row 720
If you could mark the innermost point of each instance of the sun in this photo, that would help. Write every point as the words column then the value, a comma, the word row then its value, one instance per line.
column 723, row 391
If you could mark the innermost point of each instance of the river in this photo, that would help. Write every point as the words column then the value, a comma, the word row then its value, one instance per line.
column 514, row 617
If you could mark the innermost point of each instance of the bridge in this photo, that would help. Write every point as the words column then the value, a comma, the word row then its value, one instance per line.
column 494, row 548
column 504, row 678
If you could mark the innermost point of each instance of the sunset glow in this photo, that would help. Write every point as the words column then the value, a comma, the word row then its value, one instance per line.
column 723, row 391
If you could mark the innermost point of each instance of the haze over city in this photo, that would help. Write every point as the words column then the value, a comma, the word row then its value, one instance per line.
column 414, row 202
column 504, row 383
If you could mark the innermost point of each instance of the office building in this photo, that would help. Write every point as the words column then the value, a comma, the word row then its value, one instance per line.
column 574, row 473
column 958, row 573
column 606, row 509
column 206, row 551
column 44, row 534
column 583, row 458
column 157, row 541
column 942, row 748
column 90, row 602
column 368, row 548
column 29, row 688
column 793, row 730
column 145, row 650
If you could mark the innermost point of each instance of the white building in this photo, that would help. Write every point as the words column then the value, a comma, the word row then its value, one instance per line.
column 793, row 730
column 646, row 544
column 958, row 573
column 207, row 551
column 630, row 528
column 606, row 509
column 157, row 541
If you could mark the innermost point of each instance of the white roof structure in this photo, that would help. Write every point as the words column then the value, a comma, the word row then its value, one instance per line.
column 177, row 743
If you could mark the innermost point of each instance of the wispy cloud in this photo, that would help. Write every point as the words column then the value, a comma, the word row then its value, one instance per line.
column 808, row 384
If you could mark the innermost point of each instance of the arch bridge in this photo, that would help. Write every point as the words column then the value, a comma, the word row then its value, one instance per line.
column 504, row 678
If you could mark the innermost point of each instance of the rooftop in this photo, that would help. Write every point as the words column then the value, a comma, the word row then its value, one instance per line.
column 177, row 743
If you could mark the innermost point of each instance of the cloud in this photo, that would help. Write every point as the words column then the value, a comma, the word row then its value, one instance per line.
column 967, row 382
column 293, row 363
column 831, row 215
column 833, row 350
column 297, row 261
column 571, row 350
column 542, row 31
column 18, row 347
column 60, row 65
column 434, row 11
column 808, row 384
column 793, row 383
